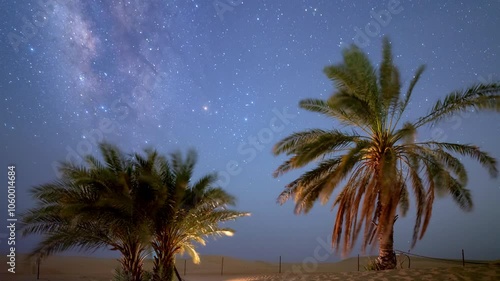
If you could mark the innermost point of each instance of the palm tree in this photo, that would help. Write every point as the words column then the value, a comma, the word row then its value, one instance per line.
column 183, row 212
column 376, row 157
column 130, row 204
column 93, row 206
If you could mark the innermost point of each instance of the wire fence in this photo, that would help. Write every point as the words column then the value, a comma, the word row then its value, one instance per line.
column 223, row 265
column 226, row 265
column 463, row 260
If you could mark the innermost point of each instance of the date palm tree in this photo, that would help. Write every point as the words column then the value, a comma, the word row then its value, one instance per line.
column 375, row 157
column 184, row 212
column 133, row 204
column 93, row 206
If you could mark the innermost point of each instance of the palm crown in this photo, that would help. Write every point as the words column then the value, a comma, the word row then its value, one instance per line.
column 374, row 155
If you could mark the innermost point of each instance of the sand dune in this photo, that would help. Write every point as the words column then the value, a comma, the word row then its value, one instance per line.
column 62, row 268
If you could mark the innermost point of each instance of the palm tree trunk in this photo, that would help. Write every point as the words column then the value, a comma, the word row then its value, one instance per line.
column 163, row 267
column 386, row 255
column 131, row 262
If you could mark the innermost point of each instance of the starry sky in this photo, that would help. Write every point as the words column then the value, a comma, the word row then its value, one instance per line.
column 225, row 77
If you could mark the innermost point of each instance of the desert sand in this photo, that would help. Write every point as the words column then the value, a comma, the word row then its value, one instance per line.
column 64, row 268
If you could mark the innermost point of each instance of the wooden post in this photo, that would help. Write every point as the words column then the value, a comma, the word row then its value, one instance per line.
column 358, row 262
column 38, row 268
column 463, row 258
column 177, row 273
column 222, row 267
column 280, row 265
column 185, row 262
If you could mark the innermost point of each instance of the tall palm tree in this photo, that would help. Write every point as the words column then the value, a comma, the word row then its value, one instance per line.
column 376, row 157
column 93, row 206
column 183, row 212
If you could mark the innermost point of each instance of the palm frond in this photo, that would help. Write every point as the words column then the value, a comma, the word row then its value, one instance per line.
column 317, row 105
column 469, row 150
column 484, row 97
column 113, row 157
column 317, row 175
column 404, row 199
column 389, row 80
column 406, row 134
column 192, row 253
column 360, row 112
column 404, row 103
column 429, row 201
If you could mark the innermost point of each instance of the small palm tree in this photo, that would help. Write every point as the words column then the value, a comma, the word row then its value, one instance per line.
column 375, row 157
column 93, row 206
column 130, row 204
column 182, row 212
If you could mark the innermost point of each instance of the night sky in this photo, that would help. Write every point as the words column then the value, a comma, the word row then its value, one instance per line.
column 225, row 77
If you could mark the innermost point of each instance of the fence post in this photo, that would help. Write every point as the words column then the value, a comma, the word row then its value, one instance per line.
column 280, row 265
column 38, row 260
column 358, row 262
column 177, row 274
column 463, row 258
column 222, row 267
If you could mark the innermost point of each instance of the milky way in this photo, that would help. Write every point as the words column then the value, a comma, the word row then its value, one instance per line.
column 225, row 77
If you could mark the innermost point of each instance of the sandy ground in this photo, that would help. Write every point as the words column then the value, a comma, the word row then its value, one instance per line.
column 62, row 268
